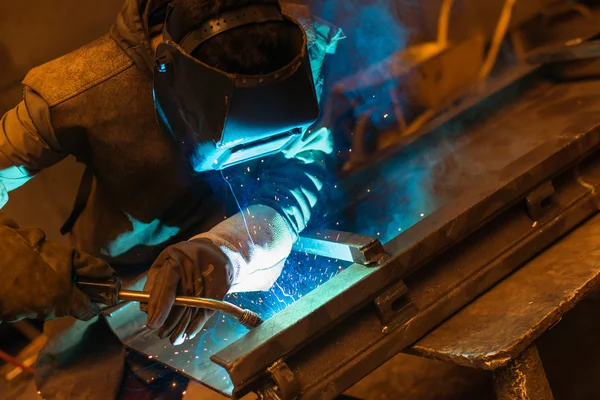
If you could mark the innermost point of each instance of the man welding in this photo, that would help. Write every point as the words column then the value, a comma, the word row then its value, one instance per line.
column 184, row 112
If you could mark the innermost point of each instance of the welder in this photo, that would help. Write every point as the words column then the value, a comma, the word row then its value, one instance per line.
column 193, row 119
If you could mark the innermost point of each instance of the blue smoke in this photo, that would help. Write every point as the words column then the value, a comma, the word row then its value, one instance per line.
column 373, row 33
column 372, row 29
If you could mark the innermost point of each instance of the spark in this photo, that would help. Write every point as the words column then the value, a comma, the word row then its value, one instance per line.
column 239, row 207
column 385, row 116
column 283, row 291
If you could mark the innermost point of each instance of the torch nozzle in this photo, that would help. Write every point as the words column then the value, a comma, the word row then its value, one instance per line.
column 250, row 319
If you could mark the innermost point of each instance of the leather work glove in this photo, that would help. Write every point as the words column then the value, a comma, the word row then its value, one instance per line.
column 196, row 268
column 37, row 277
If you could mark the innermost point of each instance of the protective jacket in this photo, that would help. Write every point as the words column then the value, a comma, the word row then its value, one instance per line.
column 137, row 196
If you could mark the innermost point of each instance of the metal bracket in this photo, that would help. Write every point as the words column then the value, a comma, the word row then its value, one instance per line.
column 285, row 386
column 352, row 247
column 393, row 306
column 535, row 200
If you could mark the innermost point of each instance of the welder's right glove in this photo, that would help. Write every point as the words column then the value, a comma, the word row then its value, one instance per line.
column 239, row 254
column 37, row 277
column 196, row 268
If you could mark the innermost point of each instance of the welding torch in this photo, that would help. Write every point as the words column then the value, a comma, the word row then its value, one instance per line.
column 109, row 293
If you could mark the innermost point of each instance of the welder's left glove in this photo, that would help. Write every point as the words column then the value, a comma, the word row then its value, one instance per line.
column 37, row 276
column 196, row 268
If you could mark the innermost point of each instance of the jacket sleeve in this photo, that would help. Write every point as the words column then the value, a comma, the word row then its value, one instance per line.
column 30, row 264
column 27, row 143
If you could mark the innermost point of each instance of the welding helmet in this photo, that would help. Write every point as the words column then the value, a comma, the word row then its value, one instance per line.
column 230, row 118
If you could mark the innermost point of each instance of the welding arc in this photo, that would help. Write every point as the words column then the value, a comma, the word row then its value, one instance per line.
column 245, row 317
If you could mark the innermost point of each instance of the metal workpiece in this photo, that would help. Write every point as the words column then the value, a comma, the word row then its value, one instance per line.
column 360, row 344
column 475, row 230
column 498, row 203
column 307, row 319
column 352, row 247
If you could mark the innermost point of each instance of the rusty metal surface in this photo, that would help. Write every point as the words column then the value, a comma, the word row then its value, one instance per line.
column 491, row 331
column 523, row 378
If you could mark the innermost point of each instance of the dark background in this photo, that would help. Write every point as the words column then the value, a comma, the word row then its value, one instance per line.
column 35, row 31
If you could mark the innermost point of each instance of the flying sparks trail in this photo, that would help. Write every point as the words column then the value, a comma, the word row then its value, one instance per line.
column 239, row 206
column 284, row 293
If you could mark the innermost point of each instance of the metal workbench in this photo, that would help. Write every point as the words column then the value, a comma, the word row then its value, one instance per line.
column 457, row 211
